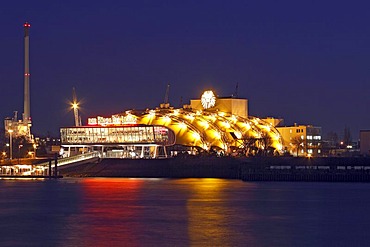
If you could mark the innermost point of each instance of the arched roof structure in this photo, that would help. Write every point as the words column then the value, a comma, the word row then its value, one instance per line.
column 208, row 129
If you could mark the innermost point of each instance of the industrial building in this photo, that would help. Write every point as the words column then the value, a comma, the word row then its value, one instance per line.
column 15, row 127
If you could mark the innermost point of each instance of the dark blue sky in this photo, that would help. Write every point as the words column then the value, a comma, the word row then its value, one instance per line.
column 304, row 61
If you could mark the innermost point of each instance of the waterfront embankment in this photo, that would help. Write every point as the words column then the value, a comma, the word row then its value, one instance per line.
column 248, row 169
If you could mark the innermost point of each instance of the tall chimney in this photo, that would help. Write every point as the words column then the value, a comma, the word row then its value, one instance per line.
column 26, row 113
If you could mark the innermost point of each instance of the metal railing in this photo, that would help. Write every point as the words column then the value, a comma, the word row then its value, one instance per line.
column 73, row 159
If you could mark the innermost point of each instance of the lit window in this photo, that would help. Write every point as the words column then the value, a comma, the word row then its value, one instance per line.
column 319, row 151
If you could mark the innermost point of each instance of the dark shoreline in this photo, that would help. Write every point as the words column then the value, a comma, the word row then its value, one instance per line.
column 338, row 169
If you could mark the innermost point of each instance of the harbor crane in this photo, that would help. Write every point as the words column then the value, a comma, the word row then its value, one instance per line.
column 166, row 104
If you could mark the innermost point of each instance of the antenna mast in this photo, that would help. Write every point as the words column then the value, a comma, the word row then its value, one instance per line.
column 167, row 94
column 236, row 90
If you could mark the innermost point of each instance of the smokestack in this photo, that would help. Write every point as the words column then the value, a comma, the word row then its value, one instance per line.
column 26, row 113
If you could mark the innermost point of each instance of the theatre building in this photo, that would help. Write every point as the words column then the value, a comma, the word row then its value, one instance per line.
column 208, row 124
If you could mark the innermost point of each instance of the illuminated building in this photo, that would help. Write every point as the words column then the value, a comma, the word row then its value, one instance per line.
column 119, row 141
column 220, row 125
column 301, row 140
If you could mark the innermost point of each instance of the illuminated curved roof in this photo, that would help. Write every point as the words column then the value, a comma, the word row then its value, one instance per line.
column 207, row 129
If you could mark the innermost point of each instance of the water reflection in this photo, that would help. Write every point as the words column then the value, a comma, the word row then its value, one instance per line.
column 213, row 220
column 188, row 212
column 110, row 208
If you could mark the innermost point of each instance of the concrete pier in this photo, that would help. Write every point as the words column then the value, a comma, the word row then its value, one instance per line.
column 246, row 169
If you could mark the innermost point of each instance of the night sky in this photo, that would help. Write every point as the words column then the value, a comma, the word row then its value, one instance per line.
column 304, row 61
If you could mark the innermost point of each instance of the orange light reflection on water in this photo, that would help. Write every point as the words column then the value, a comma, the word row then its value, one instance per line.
column 209, row 216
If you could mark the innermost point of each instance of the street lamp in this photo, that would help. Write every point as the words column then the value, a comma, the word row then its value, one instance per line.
column 10, row 144
column 34, row 150
column 19, row 153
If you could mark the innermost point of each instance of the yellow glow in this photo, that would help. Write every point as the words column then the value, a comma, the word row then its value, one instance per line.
column 196, row 136
column 190, row 117
column 205, row 146
column 204, row 123
column 279, row 147
column 195, row 129
column 246, row 126
column 182, row 125
column 238, row 134
column 74, row 105
column 227, row 125
column 233, row 119
column 10, row 131
column 217, row 135
column 212, row 117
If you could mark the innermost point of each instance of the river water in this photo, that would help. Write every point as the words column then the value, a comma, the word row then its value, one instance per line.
column 182, row 212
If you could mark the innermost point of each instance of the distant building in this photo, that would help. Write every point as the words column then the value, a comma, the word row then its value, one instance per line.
column 18, row 128
column 365, row 142
column 301, row 140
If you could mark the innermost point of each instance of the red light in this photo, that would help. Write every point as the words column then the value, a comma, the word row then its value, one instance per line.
column 27, row 24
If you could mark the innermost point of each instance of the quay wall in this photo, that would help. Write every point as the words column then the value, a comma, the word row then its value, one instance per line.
column 246, row 169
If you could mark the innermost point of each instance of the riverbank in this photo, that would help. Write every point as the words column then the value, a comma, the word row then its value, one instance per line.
column 247, row 169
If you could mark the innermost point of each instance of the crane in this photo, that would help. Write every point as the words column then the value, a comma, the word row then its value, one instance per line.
column 75, row 108
column 166, row 104
column 166, row 96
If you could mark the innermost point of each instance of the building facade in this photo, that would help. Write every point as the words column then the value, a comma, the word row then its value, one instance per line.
column 208, row 124
column 118, row 141
column 301, row 140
